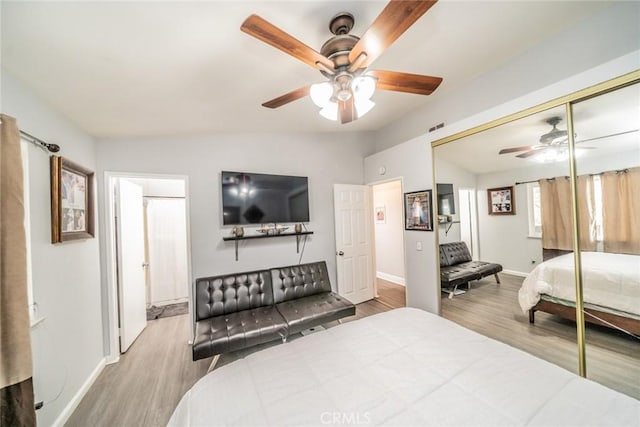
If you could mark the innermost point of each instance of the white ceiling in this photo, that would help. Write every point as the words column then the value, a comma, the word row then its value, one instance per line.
column 166, row 68
column 608, row 114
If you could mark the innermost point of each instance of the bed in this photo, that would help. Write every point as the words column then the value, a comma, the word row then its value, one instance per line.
column 611, row 289
column 402, row 367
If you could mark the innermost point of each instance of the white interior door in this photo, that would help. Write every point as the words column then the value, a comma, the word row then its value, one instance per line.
column 167, row 238
column 468, row 220
column 354, row 247
column 131, row 262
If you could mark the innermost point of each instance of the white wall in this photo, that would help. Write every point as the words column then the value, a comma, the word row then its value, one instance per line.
column 66, row 277
column 613, row 32
column 412, row 162
column 388, row 234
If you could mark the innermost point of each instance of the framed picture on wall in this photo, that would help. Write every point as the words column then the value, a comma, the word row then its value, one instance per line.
column 418, row 211
column 72, row 216
column 501, row 201
column 381, row 215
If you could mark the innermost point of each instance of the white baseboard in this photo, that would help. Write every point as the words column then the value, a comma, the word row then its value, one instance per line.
column 515, row 273
column 390, row 278
column 77, row 398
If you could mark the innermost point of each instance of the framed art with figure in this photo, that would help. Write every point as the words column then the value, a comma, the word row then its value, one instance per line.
column 418, row 211
column 501, row 201
column 72, row 215
column 381, row 216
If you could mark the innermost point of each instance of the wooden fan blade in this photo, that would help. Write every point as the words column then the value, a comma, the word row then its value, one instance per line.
column 528, row 154
column 347, row 111
column 516, row 149
column 288, row 97
column 392, row 22
column 607, row 136
column 405, row 82
column 265, row 31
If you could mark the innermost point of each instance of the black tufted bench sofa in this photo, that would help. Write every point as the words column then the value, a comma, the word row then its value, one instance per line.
column 240, row 310
column 457, row 267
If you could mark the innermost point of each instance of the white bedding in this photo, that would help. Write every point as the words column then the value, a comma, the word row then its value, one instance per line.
column 609, row 280
column 403, row 367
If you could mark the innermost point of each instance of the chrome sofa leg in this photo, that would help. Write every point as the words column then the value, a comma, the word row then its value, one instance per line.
column 453, row 292
column 497, row 278
column 340, row 321
column 213, row 363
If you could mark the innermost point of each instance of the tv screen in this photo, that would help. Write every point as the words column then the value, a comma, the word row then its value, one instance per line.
column 446, row 202
column 256, row 198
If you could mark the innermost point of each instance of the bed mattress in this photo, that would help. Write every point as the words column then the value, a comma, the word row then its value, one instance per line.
column 609, row 280
column 402, row 367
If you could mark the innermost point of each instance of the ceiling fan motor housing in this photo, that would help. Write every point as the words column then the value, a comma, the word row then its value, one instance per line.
column 337, row 48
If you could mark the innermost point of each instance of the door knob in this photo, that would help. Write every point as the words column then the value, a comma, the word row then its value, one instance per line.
column 145, row 264
column 341, row 253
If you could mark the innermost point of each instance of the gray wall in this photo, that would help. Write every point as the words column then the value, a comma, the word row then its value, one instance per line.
column 412, row 162
column 326, row 159
column 504, row 239
column 67, row 346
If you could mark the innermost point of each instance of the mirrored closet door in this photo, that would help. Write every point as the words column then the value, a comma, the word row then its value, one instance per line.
column 507, row 190
column 607, row 152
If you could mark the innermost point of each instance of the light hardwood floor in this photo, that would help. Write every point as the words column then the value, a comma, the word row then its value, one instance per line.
column 146, row 385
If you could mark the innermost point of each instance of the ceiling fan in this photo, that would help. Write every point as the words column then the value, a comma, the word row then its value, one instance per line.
column 553, row 144
column 344, row 58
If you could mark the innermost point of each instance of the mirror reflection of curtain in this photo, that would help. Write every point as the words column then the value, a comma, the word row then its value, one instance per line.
column 621, row 211
column 16, row 384
column 555, row 206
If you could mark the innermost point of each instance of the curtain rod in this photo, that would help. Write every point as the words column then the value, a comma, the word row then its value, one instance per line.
column 54, row 148
column 626, row 170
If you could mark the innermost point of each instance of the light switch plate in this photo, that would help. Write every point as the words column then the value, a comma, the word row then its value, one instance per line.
column 418, row 246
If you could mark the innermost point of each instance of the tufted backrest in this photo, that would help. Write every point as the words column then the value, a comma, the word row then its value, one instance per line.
column 299, row 281
column 454, row 253
column 233, row 292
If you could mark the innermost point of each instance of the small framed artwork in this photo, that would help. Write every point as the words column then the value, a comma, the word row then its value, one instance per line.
column 72, row 215
column 381, row 215
column 501, row 201
column 418, row 211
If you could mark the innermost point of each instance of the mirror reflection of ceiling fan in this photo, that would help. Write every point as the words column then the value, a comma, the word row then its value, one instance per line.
column 553, row 145
column 344, row 58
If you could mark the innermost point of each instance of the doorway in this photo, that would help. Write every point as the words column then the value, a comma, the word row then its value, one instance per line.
column 154, row 280
column 389, row 242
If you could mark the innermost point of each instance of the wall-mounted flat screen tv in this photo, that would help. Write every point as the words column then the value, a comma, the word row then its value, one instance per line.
column 446, row 202
column 256, row 198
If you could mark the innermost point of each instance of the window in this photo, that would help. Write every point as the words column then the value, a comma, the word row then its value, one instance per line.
column 535, row 215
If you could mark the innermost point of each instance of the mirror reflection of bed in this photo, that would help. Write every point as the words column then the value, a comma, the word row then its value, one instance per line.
column 535, row 245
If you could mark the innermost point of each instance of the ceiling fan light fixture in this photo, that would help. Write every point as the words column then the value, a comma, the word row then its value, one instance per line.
column 363, row 106
column 363, row 87
column 330, row 111
column 321, row 93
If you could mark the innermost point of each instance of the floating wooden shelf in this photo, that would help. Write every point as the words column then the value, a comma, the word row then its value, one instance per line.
column 266, row 236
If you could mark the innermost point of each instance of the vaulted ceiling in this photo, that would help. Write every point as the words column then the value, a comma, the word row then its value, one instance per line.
column 166, row 68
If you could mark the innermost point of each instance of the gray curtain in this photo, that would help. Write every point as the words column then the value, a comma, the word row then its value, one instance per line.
column 16, row 387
